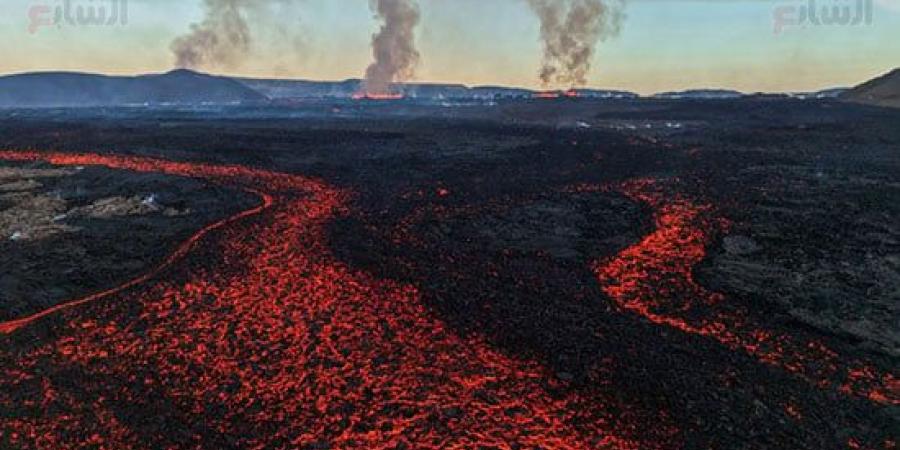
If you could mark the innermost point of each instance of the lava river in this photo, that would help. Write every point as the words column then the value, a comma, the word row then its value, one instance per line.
column 260, row 338
column 254, row 335
column 654, row 278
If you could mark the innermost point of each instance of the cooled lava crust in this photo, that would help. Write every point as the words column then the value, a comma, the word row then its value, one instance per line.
column 254, row 334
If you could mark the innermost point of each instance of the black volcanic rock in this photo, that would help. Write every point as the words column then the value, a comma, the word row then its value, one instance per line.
column 882, row 91
column 276, row 89
column 701, row 94
column 66, row 89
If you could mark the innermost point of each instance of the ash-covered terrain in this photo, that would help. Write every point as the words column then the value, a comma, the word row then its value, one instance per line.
column 568, row 273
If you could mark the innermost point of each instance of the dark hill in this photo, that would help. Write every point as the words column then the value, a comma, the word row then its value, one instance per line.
column 66, row 89
column 882, row 91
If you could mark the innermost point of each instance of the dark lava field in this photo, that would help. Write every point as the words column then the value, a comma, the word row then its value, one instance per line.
column 561, row 274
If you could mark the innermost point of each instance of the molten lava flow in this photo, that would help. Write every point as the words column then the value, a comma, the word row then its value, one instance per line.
column 377, row 96
column 254, row 335
column 258, row 337
column 655, row 279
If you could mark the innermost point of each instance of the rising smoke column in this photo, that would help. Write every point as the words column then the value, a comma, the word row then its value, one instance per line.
column 394, row 46
column 221, row 40
column 570, row 30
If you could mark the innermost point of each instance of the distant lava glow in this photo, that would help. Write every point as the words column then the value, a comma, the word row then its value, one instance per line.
column 552, row 95
column 547, row 95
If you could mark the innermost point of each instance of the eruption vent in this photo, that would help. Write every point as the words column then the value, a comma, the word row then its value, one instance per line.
column 394, row 46
column 570, row 30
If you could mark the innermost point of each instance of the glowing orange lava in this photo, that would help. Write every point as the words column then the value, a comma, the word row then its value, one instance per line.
column 655, row 279
column 551, row 95
column 547, row 95
column 254, row 335
column 258, row 337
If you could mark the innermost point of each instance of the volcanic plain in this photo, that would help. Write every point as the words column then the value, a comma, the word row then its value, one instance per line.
column 567, row 273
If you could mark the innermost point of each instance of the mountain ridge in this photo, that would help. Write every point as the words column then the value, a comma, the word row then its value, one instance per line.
column 880, row 91
column 187, row 87
column 77, row 89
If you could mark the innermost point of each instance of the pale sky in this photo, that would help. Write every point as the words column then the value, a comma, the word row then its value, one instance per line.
column 663, row 45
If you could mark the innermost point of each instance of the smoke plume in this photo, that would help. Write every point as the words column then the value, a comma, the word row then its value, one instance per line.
column 394, row 46
column 221, row 40
column 570, row 31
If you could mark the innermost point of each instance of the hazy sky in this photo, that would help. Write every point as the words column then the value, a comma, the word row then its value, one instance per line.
column 664, row 44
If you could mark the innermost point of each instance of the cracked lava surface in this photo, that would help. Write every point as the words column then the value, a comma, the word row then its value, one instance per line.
column 253, row 335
